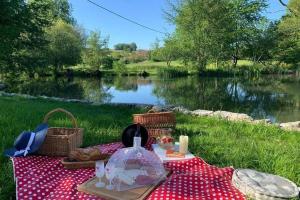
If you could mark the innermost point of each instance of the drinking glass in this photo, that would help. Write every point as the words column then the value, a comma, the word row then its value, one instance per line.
column 99, row 173
column 110, row 174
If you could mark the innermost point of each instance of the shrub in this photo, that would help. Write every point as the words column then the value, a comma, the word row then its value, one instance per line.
column 107, row 62
column 120, row 67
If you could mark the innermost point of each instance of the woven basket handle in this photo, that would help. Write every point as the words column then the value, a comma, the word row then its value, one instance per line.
column 70, row 115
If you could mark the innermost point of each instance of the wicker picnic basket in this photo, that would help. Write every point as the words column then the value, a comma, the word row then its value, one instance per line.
column 60, row 141
column 157, row 123
column 156, row 120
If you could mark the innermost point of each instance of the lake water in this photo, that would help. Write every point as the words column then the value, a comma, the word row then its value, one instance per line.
column 274, row 97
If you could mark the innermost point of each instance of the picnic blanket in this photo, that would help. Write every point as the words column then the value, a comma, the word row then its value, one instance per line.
column 42, row 177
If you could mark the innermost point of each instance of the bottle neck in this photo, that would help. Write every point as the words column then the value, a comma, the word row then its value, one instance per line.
column 138, row 131
column 137, row 141
column 137, row 136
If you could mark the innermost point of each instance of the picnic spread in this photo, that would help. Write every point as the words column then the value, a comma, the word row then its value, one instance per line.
column 146, row 164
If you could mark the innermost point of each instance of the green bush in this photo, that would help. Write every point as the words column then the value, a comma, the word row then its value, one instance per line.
column 107, row 62
column 120, row 67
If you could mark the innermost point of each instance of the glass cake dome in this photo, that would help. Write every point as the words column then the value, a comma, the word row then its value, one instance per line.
column 134, row 167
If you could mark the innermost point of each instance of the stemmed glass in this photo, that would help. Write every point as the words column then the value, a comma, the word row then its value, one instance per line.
column 99, row 173
column 110, row 173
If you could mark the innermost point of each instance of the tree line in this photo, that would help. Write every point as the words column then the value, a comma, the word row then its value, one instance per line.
column 42, row 36
column 30, row 34
column 221, row 30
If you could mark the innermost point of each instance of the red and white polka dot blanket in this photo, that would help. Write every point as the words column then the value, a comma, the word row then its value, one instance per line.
column 42, row 177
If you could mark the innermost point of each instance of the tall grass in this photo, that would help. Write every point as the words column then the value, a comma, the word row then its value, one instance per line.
column 219, row 142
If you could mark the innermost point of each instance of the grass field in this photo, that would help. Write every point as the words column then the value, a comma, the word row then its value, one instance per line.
column 177, row 68
column 219, row 142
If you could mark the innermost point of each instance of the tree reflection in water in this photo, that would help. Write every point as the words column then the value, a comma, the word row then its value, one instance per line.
column 264, row 97
column 275, row 97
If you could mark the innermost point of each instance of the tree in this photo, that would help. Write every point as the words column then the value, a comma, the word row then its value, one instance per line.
column 96, row 52
column 126, row 47
column 202, row 29
column 214, row 30
column 262, row 44
column 246, row 17
column 156, row 51
column 291, row 9
column 133, row 46
column 23, row 25
column 13, row 22
column 32, row 52
column 170, row 51
column 62, row 10
column 289, row 35
column 22, row 32
column 65, row 44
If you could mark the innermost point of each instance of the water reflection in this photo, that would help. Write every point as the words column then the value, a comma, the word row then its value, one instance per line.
column 275, row 97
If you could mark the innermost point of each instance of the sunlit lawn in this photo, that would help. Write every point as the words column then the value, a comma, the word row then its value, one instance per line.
column 219, row 142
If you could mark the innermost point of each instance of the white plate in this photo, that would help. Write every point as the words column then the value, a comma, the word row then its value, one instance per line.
column 161, row 153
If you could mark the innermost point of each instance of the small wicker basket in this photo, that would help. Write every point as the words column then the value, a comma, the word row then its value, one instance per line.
column 158, row 120
column 157, row 123
column 60, row 141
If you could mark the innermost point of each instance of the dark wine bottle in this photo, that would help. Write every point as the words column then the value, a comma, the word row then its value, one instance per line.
column 138, row 131
column 137, row 136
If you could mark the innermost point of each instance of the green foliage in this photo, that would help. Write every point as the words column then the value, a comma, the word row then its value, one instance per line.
column 12, row 23
column 22, row 28
column 206, row 32
column 27, row 43
column 246, row 18
column 170, row 51
column 200, row 29
column 65, row 44
column 62, row 10
column 120, row 67
column 156, row 55
column 126, row 47
column 289, row 36
column 214, row 30
column 96, row 52
column 261, row 47
column 107, row 62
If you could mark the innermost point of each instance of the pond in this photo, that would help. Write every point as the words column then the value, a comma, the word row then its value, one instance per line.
column 274, row 97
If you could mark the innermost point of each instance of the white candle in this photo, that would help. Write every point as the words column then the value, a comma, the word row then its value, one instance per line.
column 183, row 144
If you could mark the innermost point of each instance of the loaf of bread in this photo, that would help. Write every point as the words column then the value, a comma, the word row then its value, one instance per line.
column 88, row 154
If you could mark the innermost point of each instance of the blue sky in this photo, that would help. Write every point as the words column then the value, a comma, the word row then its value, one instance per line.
column 147, row 12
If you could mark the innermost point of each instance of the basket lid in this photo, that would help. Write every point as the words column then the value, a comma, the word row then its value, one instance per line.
column 257, row 183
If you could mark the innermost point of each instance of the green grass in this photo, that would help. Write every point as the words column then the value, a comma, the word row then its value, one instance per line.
column 148, row 64
column 244, row 67
column 151, row 67
column 219, row 142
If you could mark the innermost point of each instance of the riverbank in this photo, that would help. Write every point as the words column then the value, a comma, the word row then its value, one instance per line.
column 218, row 141
column 177, row 69
column 146, row 68
column 225, row 115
